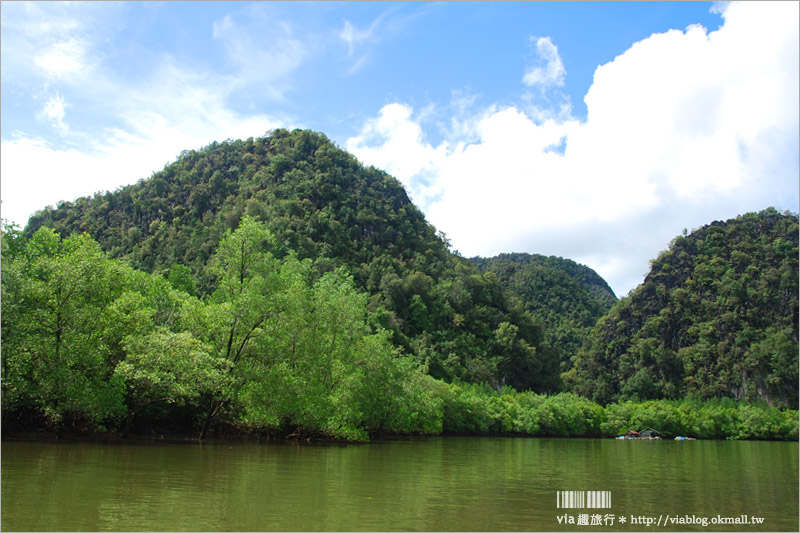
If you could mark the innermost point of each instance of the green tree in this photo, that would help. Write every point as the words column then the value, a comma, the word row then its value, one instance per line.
column 168, row 367
column 60, row 321
column 243, row 303
column 320, row 369
column 180, row 277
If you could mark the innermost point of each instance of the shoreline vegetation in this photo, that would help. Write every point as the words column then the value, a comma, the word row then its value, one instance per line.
column 469, row 410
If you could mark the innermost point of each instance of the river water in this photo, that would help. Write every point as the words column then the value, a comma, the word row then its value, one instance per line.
column 426, row 484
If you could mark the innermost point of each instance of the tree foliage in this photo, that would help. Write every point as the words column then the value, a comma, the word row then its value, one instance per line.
column 91, row 344
column 67, row 310
column 563, row 296
column 717, row 316
column 318, row 202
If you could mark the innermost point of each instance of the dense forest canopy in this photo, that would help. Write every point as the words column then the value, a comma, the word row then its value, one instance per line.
column 276, row 284
column 89, row 342
column 717, row 316
column 564, row 296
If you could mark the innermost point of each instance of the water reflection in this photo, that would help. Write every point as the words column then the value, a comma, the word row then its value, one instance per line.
column 442, row 484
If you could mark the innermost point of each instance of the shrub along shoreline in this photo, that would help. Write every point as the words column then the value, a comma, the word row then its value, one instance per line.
column 475, row 409
column 469, row 410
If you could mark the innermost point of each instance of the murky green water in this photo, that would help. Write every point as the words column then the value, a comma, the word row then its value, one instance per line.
column 441, row 484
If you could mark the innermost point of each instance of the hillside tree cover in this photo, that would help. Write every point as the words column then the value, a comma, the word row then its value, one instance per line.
column 565, row 297
column 717, row 316
column 319, row 203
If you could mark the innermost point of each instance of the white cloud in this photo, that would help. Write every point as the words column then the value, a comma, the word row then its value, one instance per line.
column 148, row 119
column 552, row 72
column 401, row 151
column 30, row 164
column 355, row 38
column 62, row 58
column 265, row 52
column 55, row 111
column 124, row 156
column 54, row 41
column 350, row 36
column 683, row 128
column 170, row 111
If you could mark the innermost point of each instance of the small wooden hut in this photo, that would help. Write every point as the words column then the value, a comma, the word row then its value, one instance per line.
column 650, row 434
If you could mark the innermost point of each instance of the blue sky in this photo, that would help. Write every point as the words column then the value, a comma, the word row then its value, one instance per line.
column 594, row 131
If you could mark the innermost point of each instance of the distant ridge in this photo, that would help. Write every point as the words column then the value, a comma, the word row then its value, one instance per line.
column 567, row 297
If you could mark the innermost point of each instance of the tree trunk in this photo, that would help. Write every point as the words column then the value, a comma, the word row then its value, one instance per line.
column 209, row 418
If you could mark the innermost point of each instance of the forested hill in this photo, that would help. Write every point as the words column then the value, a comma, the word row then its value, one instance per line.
column 568, row 298
column 320, row 203
column 717, row 316
column 317, row 199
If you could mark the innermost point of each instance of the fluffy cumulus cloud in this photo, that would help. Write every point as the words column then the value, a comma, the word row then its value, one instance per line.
column 685, row 127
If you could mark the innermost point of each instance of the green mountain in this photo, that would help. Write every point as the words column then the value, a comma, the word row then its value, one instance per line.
column 717, row 316
column 320, row 203
column 276, row 285
column 566, row 297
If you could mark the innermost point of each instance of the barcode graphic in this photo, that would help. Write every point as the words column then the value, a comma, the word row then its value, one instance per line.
column 583, row 499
